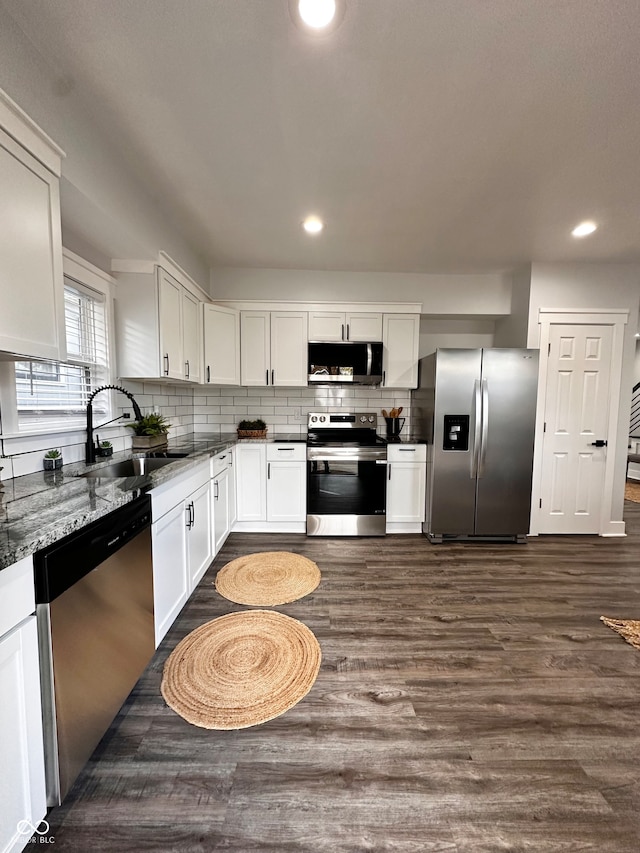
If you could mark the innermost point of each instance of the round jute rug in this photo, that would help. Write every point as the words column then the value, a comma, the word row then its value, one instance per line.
column 270, row 577
column 241, row 669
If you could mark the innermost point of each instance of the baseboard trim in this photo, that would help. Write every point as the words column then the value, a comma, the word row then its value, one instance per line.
column 614, row 528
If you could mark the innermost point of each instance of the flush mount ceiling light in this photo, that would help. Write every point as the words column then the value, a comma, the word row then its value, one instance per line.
column 584, row 229
column 317, row 14
column 317, row 17
column 313, row 225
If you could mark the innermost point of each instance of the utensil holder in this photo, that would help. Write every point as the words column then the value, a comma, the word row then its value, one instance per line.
column 394, row 426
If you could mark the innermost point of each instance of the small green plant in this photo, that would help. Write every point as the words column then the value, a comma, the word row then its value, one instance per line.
column 153, row 424
column 52, row 454
column 257, row 424
column 105, row 445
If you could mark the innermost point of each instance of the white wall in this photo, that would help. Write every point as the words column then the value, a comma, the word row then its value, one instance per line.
column 451, row 332
column 439, row 294
column 512, row 331
column 106, row 212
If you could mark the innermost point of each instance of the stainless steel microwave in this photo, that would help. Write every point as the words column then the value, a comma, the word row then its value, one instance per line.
column 345, row 363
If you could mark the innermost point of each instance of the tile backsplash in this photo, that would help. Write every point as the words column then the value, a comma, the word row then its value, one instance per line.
column 207, row 409
column 285, row 410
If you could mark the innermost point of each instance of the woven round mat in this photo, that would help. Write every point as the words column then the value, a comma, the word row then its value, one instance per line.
column 270, row 577
column 241, row 669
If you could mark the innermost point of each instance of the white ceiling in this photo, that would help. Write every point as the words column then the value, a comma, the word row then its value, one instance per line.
column 431, row 135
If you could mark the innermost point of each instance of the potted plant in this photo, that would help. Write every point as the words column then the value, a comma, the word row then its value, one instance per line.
column 105, row 448
column 252, row 429
column 52, row 460
column 149, row 432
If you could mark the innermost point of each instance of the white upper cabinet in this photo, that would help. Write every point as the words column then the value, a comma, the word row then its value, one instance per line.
column 273, row 348
column 158, row 326
column 401, row 339
column 340, row 326
column 221, row 345
column 31, row 286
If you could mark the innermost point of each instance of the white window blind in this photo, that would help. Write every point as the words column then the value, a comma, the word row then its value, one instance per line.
column 51, row 394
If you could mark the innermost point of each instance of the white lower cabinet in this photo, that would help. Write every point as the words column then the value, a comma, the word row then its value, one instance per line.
column 23, row 801
column 271, row 487
column 286, row 483
column 406, row 483
column 221, row 498
column 182, row 543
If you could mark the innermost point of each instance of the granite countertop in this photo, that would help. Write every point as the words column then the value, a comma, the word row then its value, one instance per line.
column 38, row 509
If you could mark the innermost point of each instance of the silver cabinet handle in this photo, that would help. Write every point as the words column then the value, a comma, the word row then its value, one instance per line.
column 273, row 381
column 407, row 449
column 186, row 369
column 267, row 380
column 389, row 470
column 342, row 332
column 216, row 493
column 208, row 373
column 347, row 331
column 166, row 363
column 268, row 470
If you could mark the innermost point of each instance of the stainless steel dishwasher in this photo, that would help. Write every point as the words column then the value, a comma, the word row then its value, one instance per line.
column 94, row 595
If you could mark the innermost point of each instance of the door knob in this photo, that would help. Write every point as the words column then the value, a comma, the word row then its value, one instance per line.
column 599, row 443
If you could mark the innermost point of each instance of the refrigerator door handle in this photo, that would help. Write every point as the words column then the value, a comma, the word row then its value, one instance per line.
column 477, row 414
column 484, row 435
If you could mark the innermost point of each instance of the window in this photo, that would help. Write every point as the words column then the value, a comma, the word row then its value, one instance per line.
column 54, row 395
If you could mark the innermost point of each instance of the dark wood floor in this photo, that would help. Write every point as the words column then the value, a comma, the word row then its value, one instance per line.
column 469, row 700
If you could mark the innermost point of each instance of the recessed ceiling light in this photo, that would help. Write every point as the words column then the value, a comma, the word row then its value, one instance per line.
column 584, row 229
column 313, row 225
column 317, row 14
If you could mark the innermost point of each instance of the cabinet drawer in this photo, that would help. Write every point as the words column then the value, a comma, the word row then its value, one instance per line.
column 407, row 453
column 219, row 463
column 17, row 594
column 296, row 451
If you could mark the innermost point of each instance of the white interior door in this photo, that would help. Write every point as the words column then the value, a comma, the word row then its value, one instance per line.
column 577, row 409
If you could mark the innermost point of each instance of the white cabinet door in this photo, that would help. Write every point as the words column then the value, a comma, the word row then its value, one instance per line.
column 326, row 326
column 286, row 491
column 220, row 496
column 363, row 327
column 170, row 314
column 401, row 339
column 341, row 326
column 199, row 534
column 22, row 780
column 221, row 345
column 31, row 287
column 251, row 488
column 406, row 483
column 191, row 337
column 255, row 348
column 170, row 581
column 289, row 348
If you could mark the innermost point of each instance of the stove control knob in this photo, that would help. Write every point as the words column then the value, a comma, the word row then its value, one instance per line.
column 363, row 419
column 371, row 419
column 313, row 419
column 322, row 419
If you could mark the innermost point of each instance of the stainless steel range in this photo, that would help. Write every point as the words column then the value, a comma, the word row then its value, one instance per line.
column 346, row 475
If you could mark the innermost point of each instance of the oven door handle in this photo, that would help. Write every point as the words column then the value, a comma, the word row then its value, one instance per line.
column 346, row 459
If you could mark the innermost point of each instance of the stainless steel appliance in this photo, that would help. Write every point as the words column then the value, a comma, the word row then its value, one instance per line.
column 94, row 594
column 346, row 475
column 345, row 363
column 476, row 408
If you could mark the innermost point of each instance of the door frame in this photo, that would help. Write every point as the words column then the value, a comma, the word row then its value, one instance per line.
column 618, row 319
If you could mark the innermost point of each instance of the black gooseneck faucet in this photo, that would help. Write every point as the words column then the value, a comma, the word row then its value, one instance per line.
column 90, row 452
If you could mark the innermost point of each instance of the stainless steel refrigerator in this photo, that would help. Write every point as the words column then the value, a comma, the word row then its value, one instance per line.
column 476, row 409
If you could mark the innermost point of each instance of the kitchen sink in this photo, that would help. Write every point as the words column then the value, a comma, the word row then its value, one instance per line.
column 129, row 468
